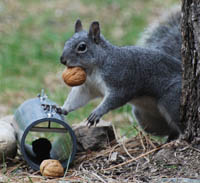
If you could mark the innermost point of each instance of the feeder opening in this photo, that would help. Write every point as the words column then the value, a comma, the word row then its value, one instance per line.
column 48, row 140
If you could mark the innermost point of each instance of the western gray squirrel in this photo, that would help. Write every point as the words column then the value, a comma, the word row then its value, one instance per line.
column 148, row 77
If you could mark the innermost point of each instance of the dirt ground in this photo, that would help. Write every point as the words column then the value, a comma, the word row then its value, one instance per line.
column 139, row 159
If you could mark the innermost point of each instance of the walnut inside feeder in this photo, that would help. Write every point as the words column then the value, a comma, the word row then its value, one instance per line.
column 74, row 76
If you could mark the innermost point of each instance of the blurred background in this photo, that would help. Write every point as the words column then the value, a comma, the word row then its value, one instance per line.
column 32, row 36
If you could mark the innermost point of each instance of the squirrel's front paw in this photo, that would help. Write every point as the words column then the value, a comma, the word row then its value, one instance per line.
column 93, row 119
column 60, row 110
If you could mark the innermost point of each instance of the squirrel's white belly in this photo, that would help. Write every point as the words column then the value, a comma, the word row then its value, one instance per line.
column 96, row 84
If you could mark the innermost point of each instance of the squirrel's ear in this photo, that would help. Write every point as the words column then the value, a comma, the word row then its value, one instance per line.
column 78, row 26
column 94, row 32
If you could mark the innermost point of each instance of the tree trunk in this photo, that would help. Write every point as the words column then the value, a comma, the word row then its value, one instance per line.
column 190, row 102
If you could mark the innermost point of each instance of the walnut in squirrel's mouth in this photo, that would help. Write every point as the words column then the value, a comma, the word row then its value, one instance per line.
column 74, row 76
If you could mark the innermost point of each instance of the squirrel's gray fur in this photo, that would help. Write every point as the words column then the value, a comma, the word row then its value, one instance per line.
column 147, row 78
column 164, row 35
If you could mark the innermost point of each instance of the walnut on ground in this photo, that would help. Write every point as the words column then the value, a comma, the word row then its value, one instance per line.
column 51, row 168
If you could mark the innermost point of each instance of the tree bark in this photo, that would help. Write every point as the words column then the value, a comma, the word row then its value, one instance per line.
column 190, row 102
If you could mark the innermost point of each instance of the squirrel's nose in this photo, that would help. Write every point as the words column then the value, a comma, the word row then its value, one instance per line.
column 63, row 60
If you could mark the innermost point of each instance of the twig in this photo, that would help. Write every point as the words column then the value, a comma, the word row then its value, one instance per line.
column 140, row 156
column 115, row 133
column 141, row 140
column 125, row 149
column 67, row 165
column 14, row 168
column 132, row 144
column 99, row 177
column 111, row 151
column 141, row 136
column 150, row 141
column 195, row 149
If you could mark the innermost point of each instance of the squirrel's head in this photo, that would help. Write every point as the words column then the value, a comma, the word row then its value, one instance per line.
column 83, row 48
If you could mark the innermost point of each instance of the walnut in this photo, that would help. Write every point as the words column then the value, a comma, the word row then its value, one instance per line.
column 74, row 76
column 51, row 168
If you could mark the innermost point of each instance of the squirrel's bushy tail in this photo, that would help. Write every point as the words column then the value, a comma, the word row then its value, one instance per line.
column 164, row 35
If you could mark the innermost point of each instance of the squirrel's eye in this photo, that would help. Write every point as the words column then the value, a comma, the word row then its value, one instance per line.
column 82, row 47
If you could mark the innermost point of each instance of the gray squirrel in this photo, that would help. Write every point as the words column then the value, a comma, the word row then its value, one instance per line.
column 148, row 77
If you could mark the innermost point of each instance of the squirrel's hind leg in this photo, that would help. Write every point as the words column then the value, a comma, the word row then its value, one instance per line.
column 169, row 107
column 151, row 121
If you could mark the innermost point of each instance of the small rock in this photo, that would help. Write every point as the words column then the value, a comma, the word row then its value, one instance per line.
column 8, row 143
column 153, row 170
column 113, row 156
column 84, row 124
column 9, row 119
column 93, row 138
column 165, row 155
column 3, row 178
